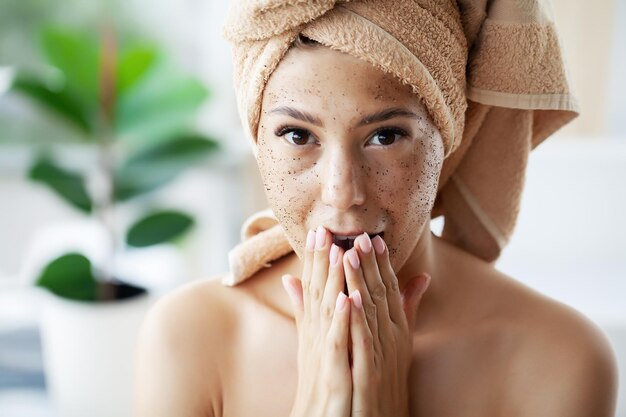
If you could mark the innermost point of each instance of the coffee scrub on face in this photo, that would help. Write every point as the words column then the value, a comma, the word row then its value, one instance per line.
column 326, row 159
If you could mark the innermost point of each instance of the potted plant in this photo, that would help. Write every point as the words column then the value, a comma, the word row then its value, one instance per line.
column 133, row 108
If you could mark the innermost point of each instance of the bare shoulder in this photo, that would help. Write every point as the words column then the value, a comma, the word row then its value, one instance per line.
column 181, row 341
column 563, row 363
column 196, row 303
column 191, row 313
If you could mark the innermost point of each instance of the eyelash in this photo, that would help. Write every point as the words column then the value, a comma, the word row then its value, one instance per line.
column 281, row 131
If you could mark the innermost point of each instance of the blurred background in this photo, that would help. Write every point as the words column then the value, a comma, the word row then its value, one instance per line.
column 122, row 156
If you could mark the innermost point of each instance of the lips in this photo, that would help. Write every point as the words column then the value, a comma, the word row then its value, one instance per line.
column 346, row 242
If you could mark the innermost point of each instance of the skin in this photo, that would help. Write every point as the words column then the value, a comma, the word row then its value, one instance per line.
column 352, row 174
column 378, row 323
column 481, row 343
column 345, row 179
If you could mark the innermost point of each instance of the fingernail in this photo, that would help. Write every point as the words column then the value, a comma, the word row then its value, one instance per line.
column 424, row 282
column 310, row 240
column 341, row 301
column 288, row 288
column 353, row 258
column 334, row 254
column 365, row 243
column 414, row 288
column 417, row 286
column 356, row 298
column 320, row 237
column 379, row 245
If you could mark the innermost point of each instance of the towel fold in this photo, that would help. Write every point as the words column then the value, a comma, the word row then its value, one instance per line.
column 489, row 72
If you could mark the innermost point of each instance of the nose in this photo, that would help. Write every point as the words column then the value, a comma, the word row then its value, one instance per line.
column 342, row 179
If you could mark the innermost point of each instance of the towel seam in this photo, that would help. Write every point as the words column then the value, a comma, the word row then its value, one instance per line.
column 484, row 219
column 523, row 101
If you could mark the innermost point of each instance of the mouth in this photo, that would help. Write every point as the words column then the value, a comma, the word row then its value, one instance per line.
column 346, row 242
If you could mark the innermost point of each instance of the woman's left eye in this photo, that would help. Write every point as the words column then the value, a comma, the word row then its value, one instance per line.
column 387, row 137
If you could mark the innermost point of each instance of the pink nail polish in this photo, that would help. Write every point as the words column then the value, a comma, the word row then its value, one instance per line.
column 365, row 244
column 356, row 298
column 353, row 258
column 310, row 240
column 320, row 237
column 334, row 254
column 379, row 245
column 341, row 301
column 291, row 291
column 424, row 283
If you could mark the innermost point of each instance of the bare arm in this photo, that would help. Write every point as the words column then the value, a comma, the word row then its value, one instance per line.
column 175, row 372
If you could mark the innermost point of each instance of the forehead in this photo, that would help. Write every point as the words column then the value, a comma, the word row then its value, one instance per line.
column 324, row 78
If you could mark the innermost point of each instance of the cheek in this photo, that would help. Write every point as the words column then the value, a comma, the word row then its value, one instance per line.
column 290, row 189
column 409, row 183
column 410, row 195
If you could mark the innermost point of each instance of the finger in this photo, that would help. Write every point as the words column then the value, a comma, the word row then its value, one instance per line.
column 355, row 280
column 413, row 297
column 334, row 284
column 375, row 285
column 306, row 270
column 293, row 287
column 394, row 301
column 362, row 344
column 337, row 337
column 319, row 273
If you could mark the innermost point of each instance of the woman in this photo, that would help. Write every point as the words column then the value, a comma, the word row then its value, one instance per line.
column 367, row 118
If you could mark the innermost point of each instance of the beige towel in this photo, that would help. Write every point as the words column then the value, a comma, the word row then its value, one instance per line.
column 490, row 73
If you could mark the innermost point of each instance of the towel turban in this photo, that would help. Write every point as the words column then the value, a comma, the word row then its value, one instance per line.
column 489, row 72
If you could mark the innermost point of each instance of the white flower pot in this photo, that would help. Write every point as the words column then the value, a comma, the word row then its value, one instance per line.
column 88, row 351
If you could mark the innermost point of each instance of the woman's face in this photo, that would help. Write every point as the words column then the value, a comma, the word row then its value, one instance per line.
column 347, row 146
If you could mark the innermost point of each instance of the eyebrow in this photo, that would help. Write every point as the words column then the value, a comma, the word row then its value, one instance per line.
column 379, row 116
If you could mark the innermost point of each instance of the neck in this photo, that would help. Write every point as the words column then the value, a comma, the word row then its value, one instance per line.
column 422, row 258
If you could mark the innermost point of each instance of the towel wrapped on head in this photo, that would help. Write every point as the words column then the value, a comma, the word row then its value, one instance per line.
column 490, row 74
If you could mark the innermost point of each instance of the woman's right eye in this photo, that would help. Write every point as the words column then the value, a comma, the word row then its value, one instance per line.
column 295, row 136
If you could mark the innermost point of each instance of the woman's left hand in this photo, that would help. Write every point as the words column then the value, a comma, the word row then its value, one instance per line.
column 381, row 331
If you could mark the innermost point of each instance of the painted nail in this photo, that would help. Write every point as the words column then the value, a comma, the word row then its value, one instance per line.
column 291, row 292
column 320, row 237
column 365, row 244
column 341, row 301
column 379, row 245
column 334, row 254
column 356, row 298
column 310, row 240
column 353, row 258
column 424, row 282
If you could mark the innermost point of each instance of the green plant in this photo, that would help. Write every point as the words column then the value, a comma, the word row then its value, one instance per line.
column 127, row 101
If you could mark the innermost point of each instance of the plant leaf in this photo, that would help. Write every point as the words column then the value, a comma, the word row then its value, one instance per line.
column 157, row 228
column 135, row 61
column 76, row 55
column 56, row 101
column 159, row 164
column 68, row 185
column 181, row 151
column 70, row 276
column 158, row 105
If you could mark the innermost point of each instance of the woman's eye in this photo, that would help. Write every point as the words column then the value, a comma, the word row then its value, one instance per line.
column 295, row 136
column 387, row 137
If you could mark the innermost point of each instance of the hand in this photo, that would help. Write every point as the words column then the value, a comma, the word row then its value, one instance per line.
column 381, row 323
column 324, row 376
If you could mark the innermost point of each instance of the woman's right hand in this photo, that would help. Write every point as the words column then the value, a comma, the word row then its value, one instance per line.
column 324, row 375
